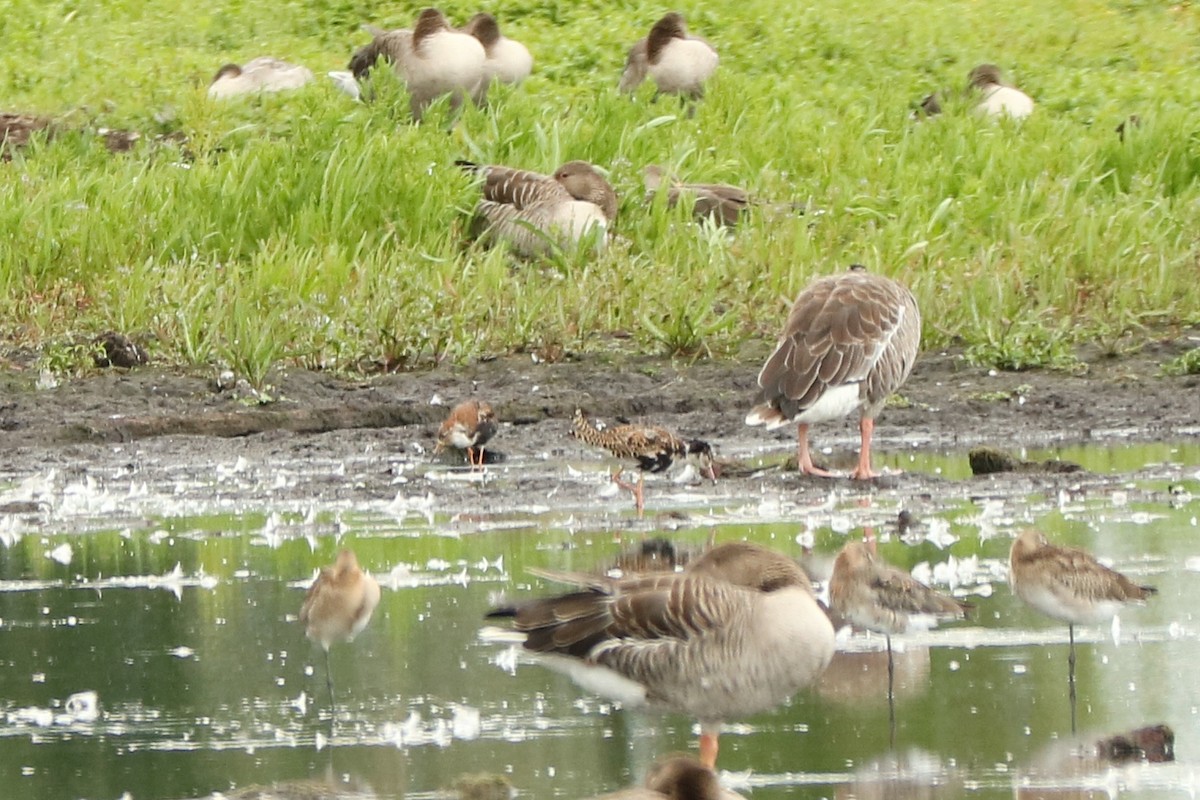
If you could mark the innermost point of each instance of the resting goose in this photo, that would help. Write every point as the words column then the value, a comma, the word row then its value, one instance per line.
column 676, row 61
column 738, row 632
column 264, row 74
column 470, row 425
column 849, row 342
column 999, row 99
column 433, row 59
column 676, row 778
column 508, row 61
column 535, row 213
column 720, row 202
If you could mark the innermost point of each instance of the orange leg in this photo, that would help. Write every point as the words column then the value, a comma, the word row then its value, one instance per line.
column 866, row 426
column 803, row 457
column 636, row 489
column 708, row 748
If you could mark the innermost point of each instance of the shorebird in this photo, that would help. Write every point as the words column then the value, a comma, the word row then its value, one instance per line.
column 850, row 341
column 676, row 778
column 508, row 61
column 433, row 59
column 338, row 606
column 866, row 591
column 654, row 448
column 676, row 61
column 264, row 74
column 720, row 202
column 999, row 99
column 470, row 425
column 738, row 632
column 1069, row 585
column 537, row 213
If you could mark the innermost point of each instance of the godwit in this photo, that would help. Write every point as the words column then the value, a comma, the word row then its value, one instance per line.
column 338, row 606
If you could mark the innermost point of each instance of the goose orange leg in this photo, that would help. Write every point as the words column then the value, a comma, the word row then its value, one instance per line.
column 803, row 457
column 708, row 747
column 862, row 472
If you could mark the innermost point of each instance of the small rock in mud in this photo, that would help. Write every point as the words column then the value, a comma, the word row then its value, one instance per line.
column 989, row 461
column 118, row 350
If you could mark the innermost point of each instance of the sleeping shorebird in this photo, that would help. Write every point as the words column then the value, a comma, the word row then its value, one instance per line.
column 872, row 594
column 470, row 425
column 736, row 633
column 654, row 448
column 338, row 606
column 536, row 213
column 264, row 74
column 676, row 61
column 999, row 99
column 850, row 341
column 1069, row 585
column 676, row 778
column 720, row 202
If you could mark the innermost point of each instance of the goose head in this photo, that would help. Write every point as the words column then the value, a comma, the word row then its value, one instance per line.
column 584, row 182
column 983, row 76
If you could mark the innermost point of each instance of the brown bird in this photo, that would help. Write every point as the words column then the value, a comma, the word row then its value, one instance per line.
column 720, row 202
column 850, row 341
column 676, row 61
column 676, row 778
column 338, row 606
column 470, row 426
column 654, row 448
column 866, row 591
column 736, row 633
column 1070, row 585
column 537, row 213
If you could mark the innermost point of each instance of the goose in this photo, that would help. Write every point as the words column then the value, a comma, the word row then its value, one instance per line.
column 872, row 594
column 676, row 778
column 736, row 633
column 653, row 447
column 676, row 61
column 849, row 342
column 508, row 61
column 999, row 99
column 536, row 213
column 433, row 59
column 264, row 74
column 338, row 605
column 1069, row 585
column 470, row 425
column 720, row 202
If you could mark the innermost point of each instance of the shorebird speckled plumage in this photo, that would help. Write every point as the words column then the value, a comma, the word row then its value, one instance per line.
column 849, row 342
column 470, row 425
column 338, row 605
column 1069, row 585
column 676, row 61
column 736, row 633
column 653, row 447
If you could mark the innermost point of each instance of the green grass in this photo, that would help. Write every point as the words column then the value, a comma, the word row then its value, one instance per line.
column 303, row 229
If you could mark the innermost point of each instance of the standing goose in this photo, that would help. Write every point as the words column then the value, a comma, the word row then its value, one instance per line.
column 338, row 606
column 676, row 778
column 469, row 426
column 1069, row 585
column 654, row 448
column 433, row 59
column 999, row 99
column 677, row 62
column 849, row 342
column 508, row 61
column 536, row 213
column 738, row 632
column 264, row 74
column 872, row 594
column 720, row 202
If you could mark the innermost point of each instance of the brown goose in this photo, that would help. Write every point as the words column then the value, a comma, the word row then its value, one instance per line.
column 508, row 61
column 537, row 213
column 720, row 202
column 470, row 425
column 737, row 633
column 999, row 99
column 676, row 778
column 1069, row 585
column 338, row 606
column 433, row 59
column 676, row 61
column 849, row 342
column 654, row 448
column 263, row 74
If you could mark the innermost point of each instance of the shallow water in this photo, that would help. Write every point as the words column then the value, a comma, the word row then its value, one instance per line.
column 173, row 597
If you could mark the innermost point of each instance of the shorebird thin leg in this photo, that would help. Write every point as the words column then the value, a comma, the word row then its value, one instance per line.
column 891, row 694
column 708, row 746
column 866, row 426
column 1071, row 672
column 329, row 683
column 803, row 457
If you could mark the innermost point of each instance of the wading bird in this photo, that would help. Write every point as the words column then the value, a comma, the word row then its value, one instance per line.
column 338, row 606
column 470, row 425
